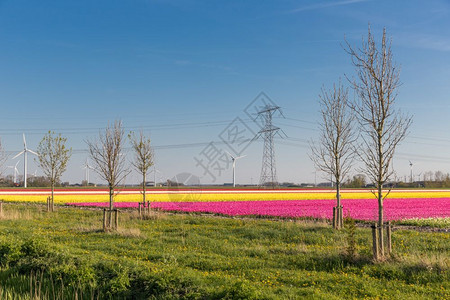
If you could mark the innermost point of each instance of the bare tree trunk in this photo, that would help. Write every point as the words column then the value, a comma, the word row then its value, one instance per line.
column 111, row 198
column 338, row 193
column 338, row 205
column 143, row 187
column 53, row 192
column 380, row 220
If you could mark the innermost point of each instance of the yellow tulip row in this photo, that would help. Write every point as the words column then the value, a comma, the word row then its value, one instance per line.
column 208, row 196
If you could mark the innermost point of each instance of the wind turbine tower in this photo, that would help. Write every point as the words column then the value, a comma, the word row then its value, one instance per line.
column 154, row 174
column 25, row 154
column 233, row 159
column 411, row 166
column 16, row 171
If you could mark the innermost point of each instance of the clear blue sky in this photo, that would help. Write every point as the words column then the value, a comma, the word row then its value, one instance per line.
column 183, row 70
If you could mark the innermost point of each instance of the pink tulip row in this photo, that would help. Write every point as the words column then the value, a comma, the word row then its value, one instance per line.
column 362, row 209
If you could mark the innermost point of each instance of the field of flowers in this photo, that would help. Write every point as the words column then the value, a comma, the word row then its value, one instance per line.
column 361, row 209
column 359, row 204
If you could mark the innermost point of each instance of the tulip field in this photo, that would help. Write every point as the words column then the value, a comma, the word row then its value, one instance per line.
column 358, row 204
column 65, row 254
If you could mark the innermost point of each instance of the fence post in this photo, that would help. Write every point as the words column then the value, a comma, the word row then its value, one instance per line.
column 116, row 218
column 334, row 217
column 1, row 208
column 140, row 209
column 341, row 217
column 388, row 236
column 104, row 219
column 375, row 247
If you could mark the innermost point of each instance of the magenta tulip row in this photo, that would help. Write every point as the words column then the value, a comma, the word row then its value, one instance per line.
column 361, row 209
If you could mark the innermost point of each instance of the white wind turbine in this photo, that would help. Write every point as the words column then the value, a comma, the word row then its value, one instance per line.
column 25, row 154
column 233, row 159
column 16, row 171
column 154, row 171
column 86, row 166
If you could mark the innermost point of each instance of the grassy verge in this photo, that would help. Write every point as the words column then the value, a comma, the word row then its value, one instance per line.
column 62, row 254
column 428, row 222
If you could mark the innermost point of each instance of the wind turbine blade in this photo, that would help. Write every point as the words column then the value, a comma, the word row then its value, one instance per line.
column 241, row 156
column 17, row 155
column 17, row 163
column 232, row 157
column 24, row 141
column 31, row 151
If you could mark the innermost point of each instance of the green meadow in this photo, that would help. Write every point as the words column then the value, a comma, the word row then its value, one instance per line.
column 66, row 255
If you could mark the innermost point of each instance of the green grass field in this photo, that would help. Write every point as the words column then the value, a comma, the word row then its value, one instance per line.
column 65, row 255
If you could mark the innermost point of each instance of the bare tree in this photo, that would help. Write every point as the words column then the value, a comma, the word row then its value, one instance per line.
column 382, row 126
column 143, row 157
column 107, row 154
column 334, row 152
column 53, row 156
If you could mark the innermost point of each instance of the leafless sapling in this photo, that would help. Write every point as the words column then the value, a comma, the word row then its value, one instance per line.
column 106, row 152
column 53, row 156
column 383, row 127
column 334, row 152
column 143, row 158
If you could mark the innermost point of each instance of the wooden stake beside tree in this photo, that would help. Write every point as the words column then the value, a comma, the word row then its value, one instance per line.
column 53, row 156
column 334, row 152
column 107, row 155
column 143, row 159
column 382, row 126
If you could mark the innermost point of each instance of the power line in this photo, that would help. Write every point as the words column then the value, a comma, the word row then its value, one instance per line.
column 95, row 129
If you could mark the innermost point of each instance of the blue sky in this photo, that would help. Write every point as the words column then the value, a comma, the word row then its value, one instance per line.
column 182, row 71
